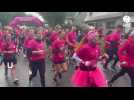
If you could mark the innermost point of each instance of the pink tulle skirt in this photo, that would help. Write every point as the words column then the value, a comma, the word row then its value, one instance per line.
column 94, row 78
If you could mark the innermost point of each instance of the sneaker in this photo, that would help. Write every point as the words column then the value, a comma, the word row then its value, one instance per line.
column 60, row 75
column 113, row 70
column 30, row 72
column 76, row 67
column 16, row 81
column 30, row 83
column 10, row 67
column 6, row 73
column 55, row 80
column 24, row 56
column 1, row 63
column 105, row 69
column 43, row 85
column 109, row 84
column 6, row 77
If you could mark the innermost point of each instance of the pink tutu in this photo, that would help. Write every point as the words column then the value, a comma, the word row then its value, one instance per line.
column 89, row 78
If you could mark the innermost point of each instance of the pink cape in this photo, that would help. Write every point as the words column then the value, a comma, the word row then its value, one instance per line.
column 89, row 78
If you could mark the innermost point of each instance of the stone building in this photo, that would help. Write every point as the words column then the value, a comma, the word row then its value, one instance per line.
column 107, row 20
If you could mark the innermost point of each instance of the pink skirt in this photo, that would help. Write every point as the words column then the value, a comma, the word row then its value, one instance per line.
column 89, row 78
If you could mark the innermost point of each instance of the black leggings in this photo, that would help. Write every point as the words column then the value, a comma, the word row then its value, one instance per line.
column 129, row 71
column 111, row 53
column 38, row 65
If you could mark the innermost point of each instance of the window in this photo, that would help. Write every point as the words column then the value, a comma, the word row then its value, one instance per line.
column 110, row 24
column 99, row 24
column 90, row 13
column 132, row 24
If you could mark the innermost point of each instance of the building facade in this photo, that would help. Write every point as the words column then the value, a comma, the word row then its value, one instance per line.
column 75, row 18
column 106, row 20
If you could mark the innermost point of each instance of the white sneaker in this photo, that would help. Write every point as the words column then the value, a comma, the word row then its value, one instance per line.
column 16, row 81
column 10, row 67
column 30, row 72
column 24, row 56
column 30, row 84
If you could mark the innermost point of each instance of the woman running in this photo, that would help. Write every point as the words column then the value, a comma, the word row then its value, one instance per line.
column 1, row 38
column 9, row 54
column 88, row 74
column 58, row 56
column 126, row 57
column 53, row 36
column 28, row 39
column 71, row 39
column 101, row 42
column 112, row 42
column 37, row 58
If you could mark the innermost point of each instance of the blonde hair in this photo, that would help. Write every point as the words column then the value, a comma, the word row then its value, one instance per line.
column 80, row 44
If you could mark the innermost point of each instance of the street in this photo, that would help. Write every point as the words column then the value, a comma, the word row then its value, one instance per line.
column 22, row 73
column 111, row 30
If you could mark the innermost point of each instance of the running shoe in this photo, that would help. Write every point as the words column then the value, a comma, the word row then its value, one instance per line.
column 6, row 72
column 55, row 80
column 60, row 75
column 16, row 81
column 30, row 72
column 6, row 75
column 24, row 56
column 113, row 69
column 30, row 83
column 109, row 84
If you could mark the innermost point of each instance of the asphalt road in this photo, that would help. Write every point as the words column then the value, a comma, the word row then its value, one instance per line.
column 22, row 73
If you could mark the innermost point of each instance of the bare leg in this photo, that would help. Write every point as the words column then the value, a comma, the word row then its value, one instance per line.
column 64, row 67
column 55, row 72
column 13, row 73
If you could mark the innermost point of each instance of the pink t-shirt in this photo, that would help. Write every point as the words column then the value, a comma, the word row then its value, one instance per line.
column 72, row 37
column 53, row 36
column 126, row 52
column 0, row 46
column 18, row 32
column 58, row 50
column 44, row 33
column 10, row 46
column 26, row 42
column 89, row 53
column 112, row 37
column 1, row 36
column 34, row 46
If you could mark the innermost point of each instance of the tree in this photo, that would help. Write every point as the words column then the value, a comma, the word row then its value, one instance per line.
column 55, row 18
column 6, row 17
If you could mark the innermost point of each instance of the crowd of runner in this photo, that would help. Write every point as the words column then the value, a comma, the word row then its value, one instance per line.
column 66, row 46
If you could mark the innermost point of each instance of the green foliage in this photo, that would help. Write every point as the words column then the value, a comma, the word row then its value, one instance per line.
column 55, row 18
column 6, row 17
